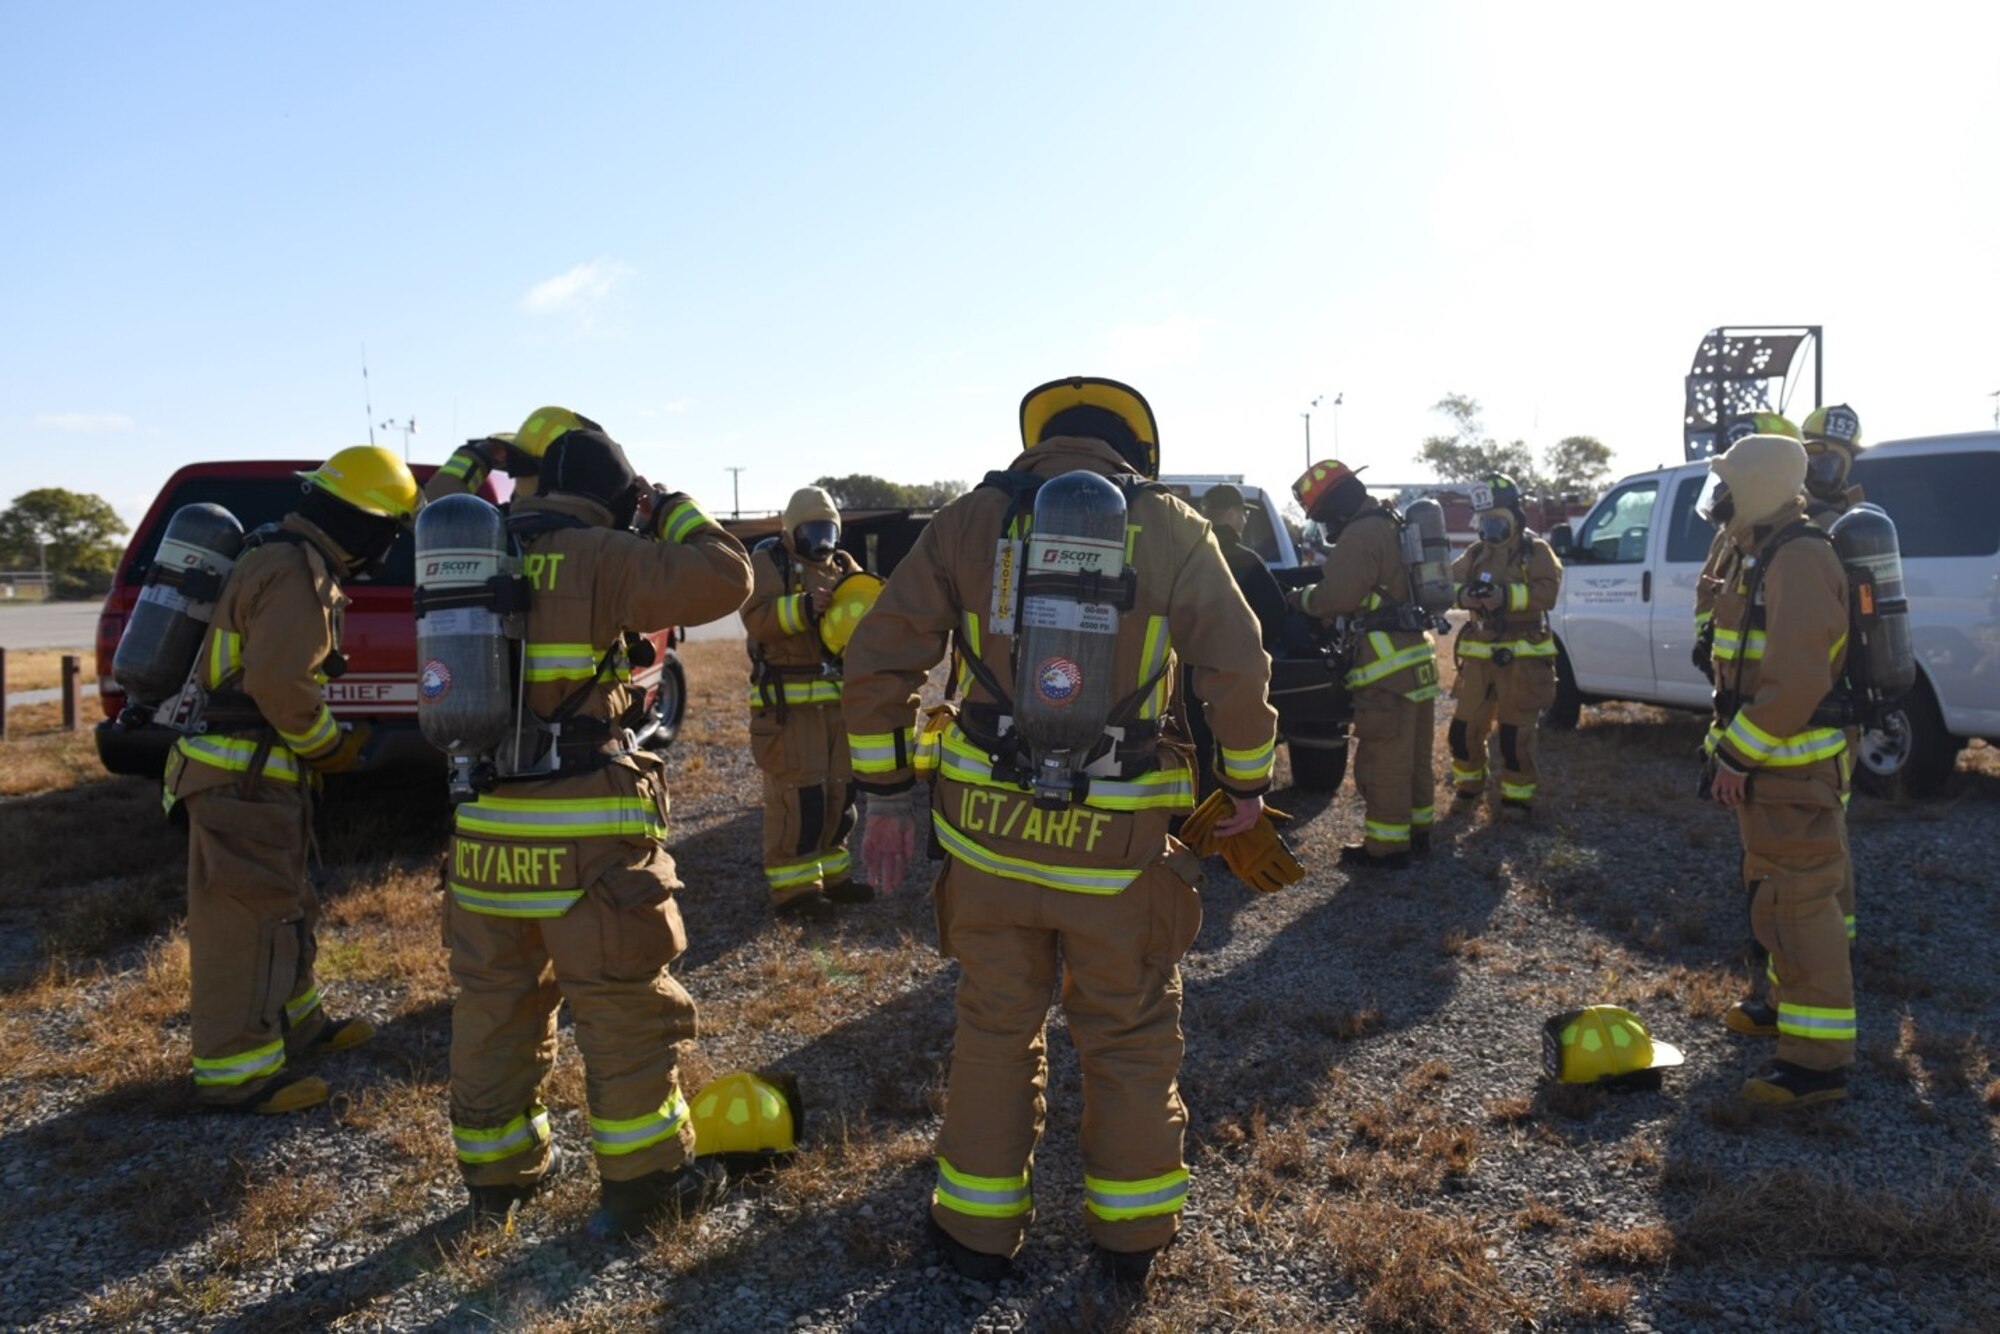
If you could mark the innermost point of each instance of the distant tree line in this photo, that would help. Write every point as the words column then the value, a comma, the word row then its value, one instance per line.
column 73, row 535
column 1575, row 465
column 861, row 491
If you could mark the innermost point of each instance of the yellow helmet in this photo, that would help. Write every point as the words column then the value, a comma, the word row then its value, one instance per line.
column 745, row 1113
column 852, row 597
column 1602, row 1042
column 544, row 426
column 1758, row 423
column 1044, row 403
column 1838, row 425
column 369, row 478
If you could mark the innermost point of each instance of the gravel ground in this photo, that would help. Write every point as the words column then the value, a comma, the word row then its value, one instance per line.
column 1361, row 1070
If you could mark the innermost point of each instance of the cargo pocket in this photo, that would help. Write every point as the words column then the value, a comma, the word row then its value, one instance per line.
column 769, row 746
column 1533, row 687
column 641, row 925
column 281, row 972
column 1174, row 905
column 1375, row 716
column 255, row 852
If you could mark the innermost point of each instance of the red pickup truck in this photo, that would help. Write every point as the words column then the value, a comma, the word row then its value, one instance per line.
column 380, row 638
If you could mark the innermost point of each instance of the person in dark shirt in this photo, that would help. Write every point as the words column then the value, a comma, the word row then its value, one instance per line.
column 1227, row 514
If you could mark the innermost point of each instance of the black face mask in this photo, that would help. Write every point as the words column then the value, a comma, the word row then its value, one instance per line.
column 366, row 538
column 816, row 538
column 1722, row 511
column 625, row 509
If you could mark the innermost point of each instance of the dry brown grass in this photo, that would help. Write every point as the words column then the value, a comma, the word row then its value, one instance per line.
column 1789, row 1215
column 1416, row 1270
column 41, row 668
column 114, row 1037
column 1648, row 1246
column 38, row 756
column 1540, row 1216
column 1588, row 1299
column 1933, row 1061
column 271, row 1218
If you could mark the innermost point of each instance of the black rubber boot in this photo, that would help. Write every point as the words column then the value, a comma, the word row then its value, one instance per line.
column 1356, row 857
column 497, row 1204
column 1420, row 842
column 1789, row 1085
column 1753, row 1018
column 811, row 906
column 849, row 892
column 628, row 1209
column 979, row 1266
column 1127, row 1270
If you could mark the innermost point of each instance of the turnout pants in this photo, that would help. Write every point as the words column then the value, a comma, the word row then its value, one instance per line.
column 1117, row 957
column 1392, row 767
column 607, row 956
column 808, row 797
column 252, row 914
column 1795, row 862
column 1514, row 696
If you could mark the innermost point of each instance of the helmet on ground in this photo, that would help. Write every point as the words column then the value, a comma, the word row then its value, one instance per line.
column 544, row 427
column 1096, row 409
column 1762, row 474
column 747, row 1113
column 812, row 523
column 852, row 598
column 1330, row 492
column 1604, row 1043
column 1757, row 423
column 370, row 479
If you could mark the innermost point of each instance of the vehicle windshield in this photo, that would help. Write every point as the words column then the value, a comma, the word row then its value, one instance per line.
column 254, row 501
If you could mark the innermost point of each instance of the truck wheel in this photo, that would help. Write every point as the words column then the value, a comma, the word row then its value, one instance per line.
column 1910, row 754
column 1318, row 768
column 1564, row 713
column 669, row 704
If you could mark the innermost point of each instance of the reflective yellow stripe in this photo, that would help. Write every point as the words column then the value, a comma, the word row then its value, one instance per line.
column 1152, row 656
column 479, row 1145
column 875, row 752
column 243, row 1067
column 1080, row 879
column 574, row 817
column 1517, row 791
column 1761, row 748
column 225, row 657
column 970, row 645
column 1423, row 817
column 612, row 1139
column 322, row 735
column 793, row 875
column 1520, row 648
column 1517, row 597
column 1467, row 777
column 682, row 522
column 981, row 1197
column 461, row 464
column 515, row 903
column 1383, row 832
column 1114, row 1200
column 796, row 692
column 235, row 754
column 1808, row 1021
column 791, row 613
column 298, row 1007
column 1731, row 644
column 1162, row 789
column 1389, row 660
column 1249, row 766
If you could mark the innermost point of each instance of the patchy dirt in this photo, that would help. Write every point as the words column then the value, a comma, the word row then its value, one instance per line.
column 1371, row 1144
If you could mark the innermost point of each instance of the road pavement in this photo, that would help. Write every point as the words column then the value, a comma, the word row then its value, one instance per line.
column 48, row 624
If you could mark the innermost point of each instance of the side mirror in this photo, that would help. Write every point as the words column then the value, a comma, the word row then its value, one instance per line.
column 1561, row 541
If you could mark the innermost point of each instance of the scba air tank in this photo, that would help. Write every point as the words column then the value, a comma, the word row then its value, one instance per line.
column 1072, row 584
column 1880, row 661
column 464, row 682
column 1427, row 551
column 157, row 651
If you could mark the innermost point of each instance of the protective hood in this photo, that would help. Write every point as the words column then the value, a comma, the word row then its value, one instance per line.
column 1764, row 474
column 1065, row 453
column 807, row 504
column 587, row 462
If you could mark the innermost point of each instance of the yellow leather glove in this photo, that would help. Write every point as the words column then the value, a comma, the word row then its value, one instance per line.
column 354, row 739
column 1198, row 830
column 1259, row 858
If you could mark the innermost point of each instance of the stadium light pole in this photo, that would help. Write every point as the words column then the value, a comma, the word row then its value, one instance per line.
column 1308, row 416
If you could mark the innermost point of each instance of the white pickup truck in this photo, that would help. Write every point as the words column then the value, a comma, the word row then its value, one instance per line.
column 1624, row 624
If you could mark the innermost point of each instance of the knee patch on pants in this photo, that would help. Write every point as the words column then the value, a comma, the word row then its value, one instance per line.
column 812, row 818
column 1456, row 739
column 1510, row 737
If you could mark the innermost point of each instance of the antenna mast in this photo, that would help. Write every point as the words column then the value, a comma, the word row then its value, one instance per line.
column 367, row 401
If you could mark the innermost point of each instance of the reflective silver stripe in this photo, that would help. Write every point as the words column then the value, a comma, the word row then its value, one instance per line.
column 508, row 904
column 1137, row 1199
column 240, row 1068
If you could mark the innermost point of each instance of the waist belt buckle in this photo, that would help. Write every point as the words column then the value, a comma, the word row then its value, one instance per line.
column 1502, row 656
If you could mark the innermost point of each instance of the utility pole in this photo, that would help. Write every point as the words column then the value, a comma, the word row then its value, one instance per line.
column 1308, row 416
column 408, row 427
column 735, row 492
column 1338, row 398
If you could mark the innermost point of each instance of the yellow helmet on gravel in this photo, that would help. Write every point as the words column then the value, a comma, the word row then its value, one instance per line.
column 369, row 478
column 1602, row 1043
column 747, row 1114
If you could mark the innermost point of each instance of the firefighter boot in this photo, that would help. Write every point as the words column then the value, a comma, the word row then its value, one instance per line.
column 1788, row 1085
column 1752, row 1018
column 292, row 1095
column 495, row 1205
column 1420, row 842
column 631, row 1208
column 1356, row 857
column 1127, row 1270
column 979, row 1266
column 342, row 1035
column 811, row 906
column 849, row 892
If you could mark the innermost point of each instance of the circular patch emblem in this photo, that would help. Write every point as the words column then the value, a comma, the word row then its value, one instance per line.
column 1057, row 680
column 434, row 682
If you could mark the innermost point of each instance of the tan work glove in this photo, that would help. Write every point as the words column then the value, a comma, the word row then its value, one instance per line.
column 1259, row 858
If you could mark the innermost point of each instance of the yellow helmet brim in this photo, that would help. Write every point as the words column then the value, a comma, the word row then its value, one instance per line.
column 851, row 600
column 1045, row 401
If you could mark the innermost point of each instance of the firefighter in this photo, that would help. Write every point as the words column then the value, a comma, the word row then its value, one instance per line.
column 1392, row 668
column 1781, row 627
column 558, row 887
column 1506, row 658
column 1090, row 892
column 516, row 453
column 245, row 784
column 1229, row 517
column 796, row 732
column 1832, row 438
column 1709, row 581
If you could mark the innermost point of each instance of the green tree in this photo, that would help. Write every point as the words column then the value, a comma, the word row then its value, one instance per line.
column 865, row 491
column 77, row 533
column 1468, row 453
column 1578, row 465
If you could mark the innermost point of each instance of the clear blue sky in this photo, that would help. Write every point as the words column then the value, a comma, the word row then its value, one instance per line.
column 820, row 238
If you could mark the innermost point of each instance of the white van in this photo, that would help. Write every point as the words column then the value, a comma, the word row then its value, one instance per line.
column 1268, row 536
column 1624, row 624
